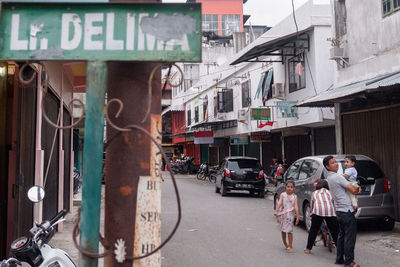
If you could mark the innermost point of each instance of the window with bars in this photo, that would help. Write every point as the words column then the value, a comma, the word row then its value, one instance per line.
column 225, row 100
column 196, row 114
column 296, row 73
column 210, row 23
column 205, row 107
column 246, row 98
column 230, row 24
column 390, row 6
column 189, row 117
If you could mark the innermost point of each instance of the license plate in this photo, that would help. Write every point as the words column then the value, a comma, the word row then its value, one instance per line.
column 243, row 185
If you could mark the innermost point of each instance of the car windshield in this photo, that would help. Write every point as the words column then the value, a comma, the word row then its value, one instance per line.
column 237, row 164
column 365, row 168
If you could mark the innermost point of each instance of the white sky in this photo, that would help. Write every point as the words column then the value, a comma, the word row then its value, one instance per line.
column 265, row 12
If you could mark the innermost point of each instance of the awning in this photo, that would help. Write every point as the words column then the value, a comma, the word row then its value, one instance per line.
column 271, row 47
column 215, row 125
column 177, row 108
column 347, row 93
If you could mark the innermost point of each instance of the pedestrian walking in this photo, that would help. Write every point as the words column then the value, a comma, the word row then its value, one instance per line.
column 273, row 166
column 280, row 171
column 285, row 211
column 338, row 186
column 322, row 209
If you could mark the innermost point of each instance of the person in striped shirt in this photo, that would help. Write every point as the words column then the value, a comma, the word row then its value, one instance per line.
column 322, row 209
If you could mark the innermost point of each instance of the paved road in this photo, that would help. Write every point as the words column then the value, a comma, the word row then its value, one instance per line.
column 239, row 230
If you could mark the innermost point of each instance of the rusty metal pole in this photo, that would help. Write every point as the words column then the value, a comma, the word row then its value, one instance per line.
column 128, row 157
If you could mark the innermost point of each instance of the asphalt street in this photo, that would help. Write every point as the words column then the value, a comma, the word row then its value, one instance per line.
column 240, row 230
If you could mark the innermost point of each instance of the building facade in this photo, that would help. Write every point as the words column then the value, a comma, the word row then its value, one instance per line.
column 366, row 91
column 33, row 152
column 270, row 75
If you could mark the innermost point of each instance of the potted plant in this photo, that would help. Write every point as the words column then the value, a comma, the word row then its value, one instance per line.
column 336, row 51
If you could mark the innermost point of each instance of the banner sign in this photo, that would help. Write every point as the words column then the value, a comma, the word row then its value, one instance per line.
column 259, row 114
column 242, row 139
column 204, row 137
column 287, row 109
column 101, row 31
column 257, row 137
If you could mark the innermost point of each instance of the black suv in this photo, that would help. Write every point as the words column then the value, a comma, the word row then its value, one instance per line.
column 240, row 173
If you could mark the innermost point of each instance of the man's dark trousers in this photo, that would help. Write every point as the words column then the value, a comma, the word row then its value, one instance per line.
column 347, row 237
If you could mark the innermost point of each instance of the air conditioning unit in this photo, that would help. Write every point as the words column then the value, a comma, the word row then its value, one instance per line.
column 242, row 115
column 278, row 91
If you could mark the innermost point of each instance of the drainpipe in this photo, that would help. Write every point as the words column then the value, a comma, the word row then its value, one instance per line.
column 338, row 129
column 312, row 141
column 283, row 146
column 39, row 153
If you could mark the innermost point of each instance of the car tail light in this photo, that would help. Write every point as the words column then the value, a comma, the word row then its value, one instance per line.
column 227, row 173
column 315, row 184
column 261, row 175
column 386, row 185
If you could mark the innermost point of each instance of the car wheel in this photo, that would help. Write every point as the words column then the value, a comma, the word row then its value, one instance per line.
column 261, row 193
column 223, row 190
column 387, row 223
column 307, row 217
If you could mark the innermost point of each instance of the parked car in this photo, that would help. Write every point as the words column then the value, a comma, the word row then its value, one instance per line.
column 240, row 173
column 375, row 199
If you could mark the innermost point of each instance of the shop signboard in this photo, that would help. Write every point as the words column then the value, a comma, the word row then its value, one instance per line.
column 239, row 139
column 287, row 109
column 100, row 31
column 263, row 136
column 204, row 137
column 261, row 114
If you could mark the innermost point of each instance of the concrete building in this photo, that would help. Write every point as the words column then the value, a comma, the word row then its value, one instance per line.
column 222, row 24
column 280, row 68
column 366, row 91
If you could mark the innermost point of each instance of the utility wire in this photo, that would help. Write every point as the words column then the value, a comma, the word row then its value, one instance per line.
column 294, row 18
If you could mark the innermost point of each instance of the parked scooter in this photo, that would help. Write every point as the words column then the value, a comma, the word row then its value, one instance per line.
column 33, row 250
column 183, row 166
column 205, row 171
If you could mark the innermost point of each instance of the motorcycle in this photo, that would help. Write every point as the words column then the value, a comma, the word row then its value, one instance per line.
column 183, row 166
column 205, row 171
column 33, row 250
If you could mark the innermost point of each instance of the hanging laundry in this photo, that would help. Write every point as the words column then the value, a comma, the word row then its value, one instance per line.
column 299, row 69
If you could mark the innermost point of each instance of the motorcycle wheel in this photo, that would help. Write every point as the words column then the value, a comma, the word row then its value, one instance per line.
column 212, row 178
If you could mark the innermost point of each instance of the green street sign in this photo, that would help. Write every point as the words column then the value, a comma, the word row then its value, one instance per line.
column 261, row 114
column 100, row 31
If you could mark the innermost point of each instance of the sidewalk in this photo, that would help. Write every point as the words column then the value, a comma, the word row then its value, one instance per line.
column 63, row 239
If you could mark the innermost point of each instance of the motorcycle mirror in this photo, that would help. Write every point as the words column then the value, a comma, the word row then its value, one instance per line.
column 36, row 193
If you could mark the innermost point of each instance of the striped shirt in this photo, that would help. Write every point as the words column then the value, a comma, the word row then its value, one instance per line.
column 321, row 203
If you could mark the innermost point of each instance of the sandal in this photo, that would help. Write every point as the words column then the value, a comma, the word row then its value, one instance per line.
column 289, row 249
column 307, row 251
